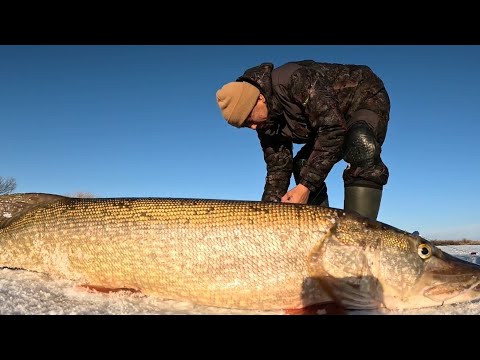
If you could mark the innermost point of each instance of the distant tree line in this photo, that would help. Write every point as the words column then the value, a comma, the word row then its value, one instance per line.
column 7, row 185
column 455, row 242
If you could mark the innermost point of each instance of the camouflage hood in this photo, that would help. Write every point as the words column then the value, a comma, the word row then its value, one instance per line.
column 261, row 77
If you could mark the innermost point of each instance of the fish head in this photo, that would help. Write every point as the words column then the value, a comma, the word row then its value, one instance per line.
column 434, row 278
column 365, row 264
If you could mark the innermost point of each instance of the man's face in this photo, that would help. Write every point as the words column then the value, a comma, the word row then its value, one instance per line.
column 257, row 119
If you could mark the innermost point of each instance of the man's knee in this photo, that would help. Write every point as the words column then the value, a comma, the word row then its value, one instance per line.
column 361, row 148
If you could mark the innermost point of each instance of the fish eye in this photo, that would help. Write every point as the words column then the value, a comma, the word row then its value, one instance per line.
column 424, row 251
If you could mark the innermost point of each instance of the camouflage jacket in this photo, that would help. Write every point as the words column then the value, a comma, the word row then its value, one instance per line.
column 307, row 101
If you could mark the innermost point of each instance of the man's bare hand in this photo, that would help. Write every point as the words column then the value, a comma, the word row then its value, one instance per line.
column 299, row 195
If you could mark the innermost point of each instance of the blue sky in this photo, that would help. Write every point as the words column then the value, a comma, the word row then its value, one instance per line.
column 143, row 121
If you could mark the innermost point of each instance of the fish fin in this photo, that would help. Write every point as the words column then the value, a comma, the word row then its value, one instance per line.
column 354, row 294
column 344, row 273
column 318, row 309
column 13, row 206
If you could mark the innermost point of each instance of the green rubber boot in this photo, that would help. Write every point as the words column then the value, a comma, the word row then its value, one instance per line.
column 363, row 200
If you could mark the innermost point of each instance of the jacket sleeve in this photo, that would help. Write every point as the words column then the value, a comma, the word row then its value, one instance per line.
column 328, row 122
column 277, row 153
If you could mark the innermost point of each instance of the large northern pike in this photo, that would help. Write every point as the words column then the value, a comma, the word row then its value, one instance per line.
column 230, row 254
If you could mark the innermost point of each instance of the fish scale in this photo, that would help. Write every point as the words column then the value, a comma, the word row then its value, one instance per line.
column 230, row 253
column 211, row 252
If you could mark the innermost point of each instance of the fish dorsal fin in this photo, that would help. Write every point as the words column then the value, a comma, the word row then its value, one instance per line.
column 14, row 205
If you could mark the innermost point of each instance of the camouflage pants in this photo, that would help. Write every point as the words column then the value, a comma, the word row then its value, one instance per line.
column 319, row 197
column 365, row 168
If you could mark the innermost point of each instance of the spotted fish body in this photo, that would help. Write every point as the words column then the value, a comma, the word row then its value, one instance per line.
column 230, row 254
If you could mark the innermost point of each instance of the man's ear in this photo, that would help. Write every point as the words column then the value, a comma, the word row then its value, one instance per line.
column 261, row 97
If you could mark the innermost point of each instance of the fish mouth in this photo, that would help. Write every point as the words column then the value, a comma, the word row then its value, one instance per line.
column 454, row 289
column 450, row 280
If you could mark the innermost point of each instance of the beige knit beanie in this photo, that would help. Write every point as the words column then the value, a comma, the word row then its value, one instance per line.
column 236, row 100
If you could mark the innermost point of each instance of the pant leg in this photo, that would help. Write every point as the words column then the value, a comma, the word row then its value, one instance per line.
column 367, row 129
column 319, row 197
